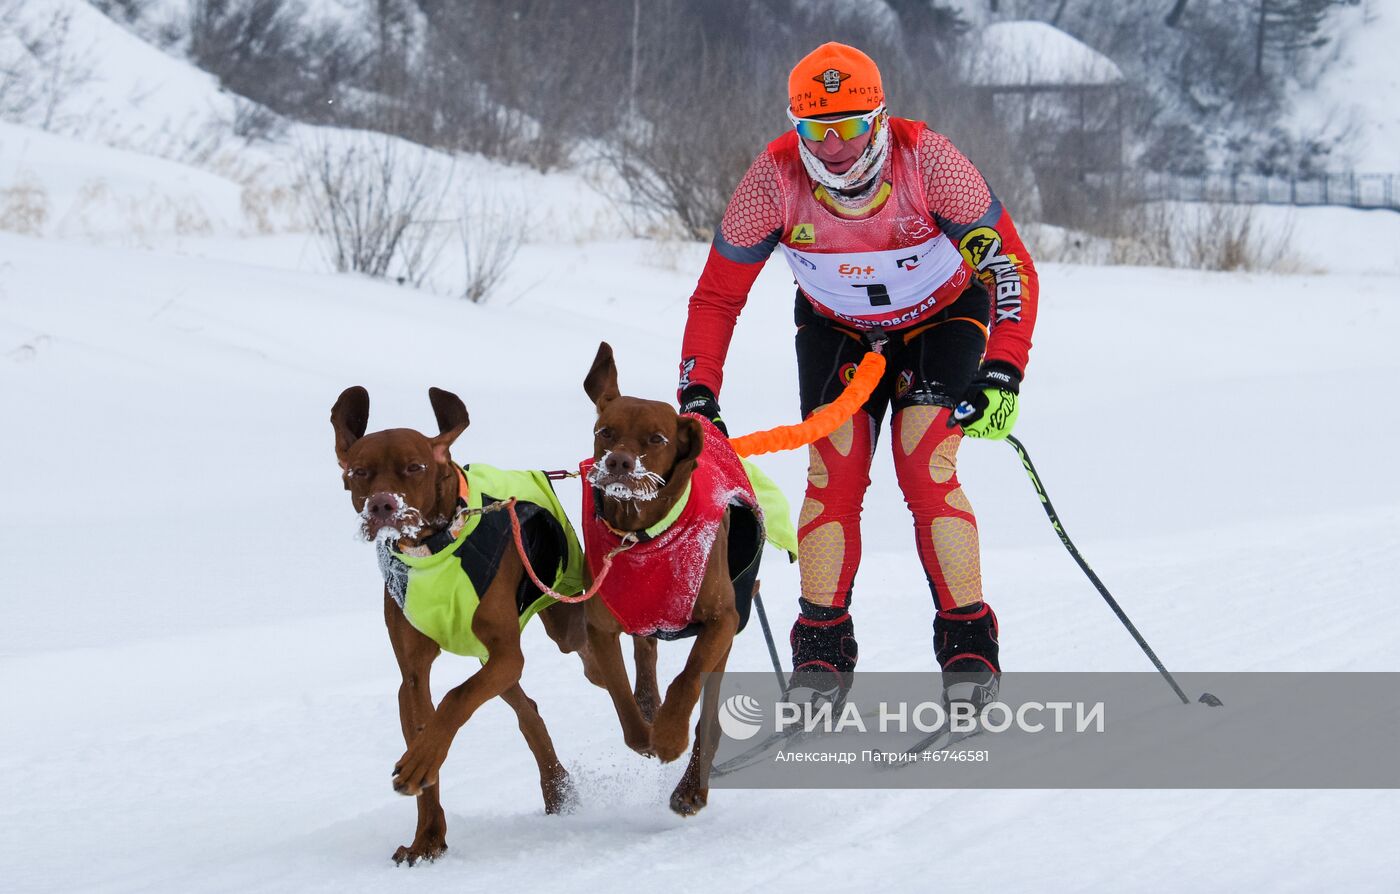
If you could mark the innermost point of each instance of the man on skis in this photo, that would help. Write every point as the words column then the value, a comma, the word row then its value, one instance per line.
column 890, row 233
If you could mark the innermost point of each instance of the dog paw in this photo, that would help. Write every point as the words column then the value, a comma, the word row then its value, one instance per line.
column 425, row 851
column 560, row 794
column 670, row 734
column 640, row 740
column 418, row 768
column 689, row 799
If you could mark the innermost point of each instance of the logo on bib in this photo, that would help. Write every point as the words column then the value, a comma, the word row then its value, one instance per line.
column 803, row 234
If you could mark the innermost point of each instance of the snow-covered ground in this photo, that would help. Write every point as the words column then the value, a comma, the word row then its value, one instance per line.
column 199, row 696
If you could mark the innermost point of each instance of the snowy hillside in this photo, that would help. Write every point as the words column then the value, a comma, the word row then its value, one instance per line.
column 198, row 691
column 1358, row 90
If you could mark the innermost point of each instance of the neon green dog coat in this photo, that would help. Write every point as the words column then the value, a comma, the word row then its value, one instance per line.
column 439, row 592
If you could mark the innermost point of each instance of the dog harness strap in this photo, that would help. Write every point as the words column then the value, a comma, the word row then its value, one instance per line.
column 448, row 535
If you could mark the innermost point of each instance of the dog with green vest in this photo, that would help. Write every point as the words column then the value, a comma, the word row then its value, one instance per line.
column 455, row 580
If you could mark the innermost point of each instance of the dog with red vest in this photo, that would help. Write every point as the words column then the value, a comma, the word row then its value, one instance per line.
column 673, row 532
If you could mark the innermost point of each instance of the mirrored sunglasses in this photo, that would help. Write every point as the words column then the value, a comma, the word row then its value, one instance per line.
column 848, row 128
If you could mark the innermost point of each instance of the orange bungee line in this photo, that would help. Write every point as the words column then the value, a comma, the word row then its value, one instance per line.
column 824, row 421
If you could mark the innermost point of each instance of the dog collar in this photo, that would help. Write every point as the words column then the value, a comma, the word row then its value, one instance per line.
column 669, row 519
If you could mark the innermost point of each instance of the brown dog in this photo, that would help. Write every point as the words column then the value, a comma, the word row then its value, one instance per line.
column 412, row 499
column 670, row 573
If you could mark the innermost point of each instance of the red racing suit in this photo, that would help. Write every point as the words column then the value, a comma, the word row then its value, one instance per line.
column 931, row 227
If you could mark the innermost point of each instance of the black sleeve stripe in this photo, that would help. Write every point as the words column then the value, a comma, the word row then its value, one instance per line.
column 956, row 231
column 753, row 254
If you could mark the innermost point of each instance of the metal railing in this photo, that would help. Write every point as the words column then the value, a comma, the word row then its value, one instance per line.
column 1348, row 190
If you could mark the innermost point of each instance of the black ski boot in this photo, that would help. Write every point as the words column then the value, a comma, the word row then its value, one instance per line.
column 965, row 644
column 824, row 650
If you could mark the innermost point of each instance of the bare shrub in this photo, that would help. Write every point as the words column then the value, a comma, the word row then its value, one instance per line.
column 24, row 206
column 270, row 195
column 663, row 172
column 1232, row 237
column 370, row 203
column 492, row 232
column 682, row 160
column 1201, row 236
column 266, row 207
column 422, row 245
column 1193, row 236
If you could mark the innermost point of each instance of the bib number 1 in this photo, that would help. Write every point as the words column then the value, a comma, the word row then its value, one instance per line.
column 879, row 295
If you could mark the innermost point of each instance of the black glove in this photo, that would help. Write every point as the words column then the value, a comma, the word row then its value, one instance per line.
column 701, row 401
column 989, row 407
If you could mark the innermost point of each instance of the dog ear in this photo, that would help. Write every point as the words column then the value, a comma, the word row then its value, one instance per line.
column 601, row 382
column 452, row 420
column 350, row 418
column 690, row 440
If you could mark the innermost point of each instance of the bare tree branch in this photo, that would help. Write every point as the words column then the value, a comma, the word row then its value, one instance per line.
column 371, row 205
column 492, row 232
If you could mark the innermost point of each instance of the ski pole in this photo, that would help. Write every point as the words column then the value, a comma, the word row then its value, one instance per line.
column 1206, row 697
column 768, row 635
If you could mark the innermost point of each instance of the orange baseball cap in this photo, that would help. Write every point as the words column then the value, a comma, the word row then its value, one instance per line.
column 834, row 78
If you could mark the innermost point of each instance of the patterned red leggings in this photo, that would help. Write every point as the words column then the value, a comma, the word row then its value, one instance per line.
column 928, row 370
column 945, row 530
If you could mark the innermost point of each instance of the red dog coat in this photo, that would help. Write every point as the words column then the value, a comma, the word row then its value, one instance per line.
column 653, row 585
